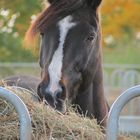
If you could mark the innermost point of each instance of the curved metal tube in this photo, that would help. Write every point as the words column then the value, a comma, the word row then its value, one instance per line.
column 34, row 96
column 25, row 120
column 113, row 118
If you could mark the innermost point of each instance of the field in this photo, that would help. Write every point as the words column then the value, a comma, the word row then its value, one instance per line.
column 123, row 53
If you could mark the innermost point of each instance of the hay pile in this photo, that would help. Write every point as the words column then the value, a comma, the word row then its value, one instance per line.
column 47, row 124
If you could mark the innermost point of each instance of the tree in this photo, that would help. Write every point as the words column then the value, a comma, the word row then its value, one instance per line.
column 120, row 18
column 15, row 18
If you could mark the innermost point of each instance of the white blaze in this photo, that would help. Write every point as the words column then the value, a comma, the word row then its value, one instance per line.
column 55, row 67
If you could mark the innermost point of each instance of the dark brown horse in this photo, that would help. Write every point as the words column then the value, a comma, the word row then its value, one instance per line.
column 25, row 81
column 70, row 57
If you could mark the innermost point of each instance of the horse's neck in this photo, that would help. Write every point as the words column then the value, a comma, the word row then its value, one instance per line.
column 92, row 97
column 85, row 101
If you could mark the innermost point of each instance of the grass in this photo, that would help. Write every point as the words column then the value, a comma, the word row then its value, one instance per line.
column 123, row 53
column 5, row 72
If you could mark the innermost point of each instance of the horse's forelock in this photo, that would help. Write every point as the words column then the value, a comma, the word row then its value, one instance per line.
column 57, row 10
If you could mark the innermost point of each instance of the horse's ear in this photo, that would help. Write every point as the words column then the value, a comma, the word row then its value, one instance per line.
column 94, row 3
column 53, row 1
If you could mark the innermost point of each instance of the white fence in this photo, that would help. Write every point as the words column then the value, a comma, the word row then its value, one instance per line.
column 24, row 116
column 125, row 124
column 121, row 76
column 118, row 78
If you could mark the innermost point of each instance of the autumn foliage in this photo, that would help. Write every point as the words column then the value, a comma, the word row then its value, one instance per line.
column 120, row 20
column 120, row 17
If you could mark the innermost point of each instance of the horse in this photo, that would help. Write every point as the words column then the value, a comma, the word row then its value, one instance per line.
column 24, row 82
column 71, row 57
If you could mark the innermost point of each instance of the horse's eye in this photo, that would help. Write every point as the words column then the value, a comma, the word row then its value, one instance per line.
column 90, row 38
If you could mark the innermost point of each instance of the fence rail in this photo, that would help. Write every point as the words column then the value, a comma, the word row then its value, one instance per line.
column 21, row 65
column 33, row 64
column 125, row 66
column 25, row 120
column 116, row 108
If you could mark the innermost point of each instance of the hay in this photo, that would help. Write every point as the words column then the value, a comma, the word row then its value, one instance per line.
column 47, row 124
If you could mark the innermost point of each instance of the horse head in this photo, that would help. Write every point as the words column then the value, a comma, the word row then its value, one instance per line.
column 70, row 54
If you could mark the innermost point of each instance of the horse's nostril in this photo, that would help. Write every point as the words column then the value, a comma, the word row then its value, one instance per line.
column 58, row 94
column 49, row 98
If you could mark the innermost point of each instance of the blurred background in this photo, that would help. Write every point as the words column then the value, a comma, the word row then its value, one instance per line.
column 120, row 21
column 120, row 24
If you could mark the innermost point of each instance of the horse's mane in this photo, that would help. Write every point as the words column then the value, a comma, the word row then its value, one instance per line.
column 52, row 13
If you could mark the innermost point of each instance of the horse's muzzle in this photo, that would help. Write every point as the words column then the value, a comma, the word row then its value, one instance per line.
column 55, row 100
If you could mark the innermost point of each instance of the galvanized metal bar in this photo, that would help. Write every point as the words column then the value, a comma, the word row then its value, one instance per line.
column 122, row 66
column 25, row 120
column 34, row 64
column 113, row 118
